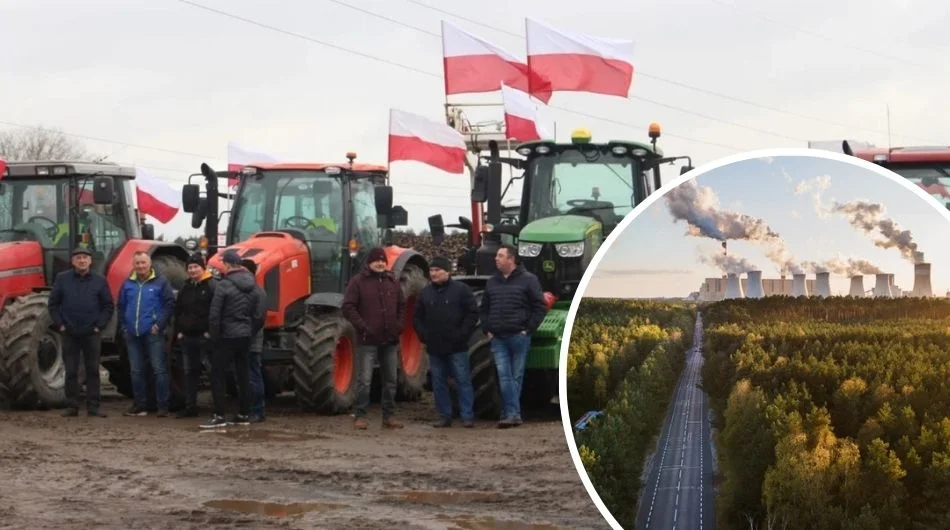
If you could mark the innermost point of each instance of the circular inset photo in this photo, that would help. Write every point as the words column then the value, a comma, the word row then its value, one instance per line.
column 765, row 343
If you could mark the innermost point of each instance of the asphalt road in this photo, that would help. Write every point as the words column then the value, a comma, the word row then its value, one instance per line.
column 678, row 493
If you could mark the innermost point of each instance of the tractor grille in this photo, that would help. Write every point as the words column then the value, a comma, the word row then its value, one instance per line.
column 554, row 271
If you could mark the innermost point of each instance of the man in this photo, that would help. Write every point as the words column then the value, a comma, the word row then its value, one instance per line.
column 231, row 324
column 191, row 326
column 445, row 317
column 375, row 306
column 146, row 303
column 256, row 349
column 512, row 309
column 80, row 306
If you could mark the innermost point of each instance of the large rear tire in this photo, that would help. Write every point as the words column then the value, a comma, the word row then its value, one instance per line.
column 483, row 374
column 325, row 364
column 413, row 360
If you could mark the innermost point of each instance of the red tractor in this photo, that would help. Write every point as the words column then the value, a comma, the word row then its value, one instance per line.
column 928, row 167
column 308, row 228
column 47, row 209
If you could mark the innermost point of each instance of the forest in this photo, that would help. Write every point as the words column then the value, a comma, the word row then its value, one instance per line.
column 831, row 413
column 625, row 357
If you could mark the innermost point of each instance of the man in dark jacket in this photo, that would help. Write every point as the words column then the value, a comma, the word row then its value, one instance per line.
column 254, row 356
column 191, row 326
column 512, row 309
column 375, row 306
column 146, row 303
column 444, row 318
column 231, row 324
column 80, row 306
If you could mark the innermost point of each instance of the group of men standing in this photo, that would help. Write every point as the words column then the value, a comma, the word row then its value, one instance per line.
column 224, row 317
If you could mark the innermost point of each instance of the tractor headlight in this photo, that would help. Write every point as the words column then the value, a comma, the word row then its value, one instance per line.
column 570, row 250
column 529, row 250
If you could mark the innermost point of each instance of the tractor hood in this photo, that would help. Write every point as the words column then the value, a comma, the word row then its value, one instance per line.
column 564, row 228
column 267, row 250
column 21, row 269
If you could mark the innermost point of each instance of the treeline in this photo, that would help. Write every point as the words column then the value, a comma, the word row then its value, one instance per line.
column 832, row 414
column 625, row 358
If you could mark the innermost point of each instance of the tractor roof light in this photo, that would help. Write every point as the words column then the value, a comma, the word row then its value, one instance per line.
column 333, row 170
column 639, row 152
column 524, row 151
column 247, row 171
column 42, row 170
column 543, row 149
column 59, row 170
column 581, row 136
column 354, row 247
column 881, row 157
column 654, row 130
column 619, row 150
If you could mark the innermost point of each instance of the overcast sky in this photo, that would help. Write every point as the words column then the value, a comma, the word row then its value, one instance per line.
column 654, row 256
column 179, row 81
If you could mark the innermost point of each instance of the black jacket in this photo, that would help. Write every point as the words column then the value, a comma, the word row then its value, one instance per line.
column 512, row 305
column 445, row 317
column 80, row 302
column 235, row 304
column 194, row 305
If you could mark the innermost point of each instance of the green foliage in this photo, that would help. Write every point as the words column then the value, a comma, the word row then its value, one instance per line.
column 833, row 413
column 625, row 358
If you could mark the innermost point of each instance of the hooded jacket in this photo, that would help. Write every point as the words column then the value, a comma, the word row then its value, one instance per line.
column 234, row 306
column 193, row 305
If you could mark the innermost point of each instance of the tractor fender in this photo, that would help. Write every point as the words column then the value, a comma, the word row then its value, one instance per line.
column 400, row 257
column 328, row 300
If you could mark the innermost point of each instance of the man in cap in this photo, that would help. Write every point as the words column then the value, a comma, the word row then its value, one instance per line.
column 445, row 317
column 80, row 306
column 191, row 326
column 375, row 306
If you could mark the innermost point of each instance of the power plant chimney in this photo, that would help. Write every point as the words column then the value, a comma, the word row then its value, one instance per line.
column 823, row 284
column 754, row 288
column 733, row 286
column 857, row 286
column 882, row 286
column 922, row 286
column 798, row 285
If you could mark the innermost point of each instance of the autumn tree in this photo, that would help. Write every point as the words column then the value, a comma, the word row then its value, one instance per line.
column 39, row 143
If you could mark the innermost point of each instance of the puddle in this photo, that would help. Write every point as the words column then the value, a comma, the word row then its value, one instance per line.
column 444, row 497
column 272, row 509
column 489, row 523
column 264, row 435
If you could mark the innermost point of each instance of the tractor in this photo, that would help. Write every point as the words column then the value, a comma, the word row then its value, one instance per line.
column 47, row 209
column 573, row 195
column 928, row 167
column 308, row 227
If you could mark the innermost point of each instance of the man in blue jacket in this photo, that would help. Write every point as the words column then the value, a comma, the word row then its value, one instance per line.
column 146, row 303
column 80, row 306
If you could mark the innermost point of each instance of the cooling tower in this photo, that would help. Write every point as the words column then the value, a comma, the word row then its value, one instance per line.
column 754, row 288
column 882, row 286
column 798, row 285
column 922, row 280
column 857, row 286
column 823, row 284
column 895, row 291
column 733, row 286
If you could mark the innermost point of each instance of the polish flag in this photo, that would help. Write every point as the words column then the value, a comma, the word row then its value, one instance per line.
column 473, row 65
column 239, row 156
column 523, row 120
column 154, row 197
column 570, row 62
column 417, row 138
column 3, row 168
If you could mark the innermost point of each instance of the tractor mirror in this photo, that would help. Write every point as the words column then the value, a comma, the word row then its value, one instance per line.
column 437, row 228
column 685, row 169
column 148, row 231
column 103, row 190
column 480, row 184
column 199, row 213
column 465, row 223
column 398, row 216
column 384, row 199
column 190, row 194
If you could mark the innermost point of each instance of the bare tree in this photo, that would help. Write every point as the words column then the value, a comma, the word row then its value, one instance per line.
column 39, row 144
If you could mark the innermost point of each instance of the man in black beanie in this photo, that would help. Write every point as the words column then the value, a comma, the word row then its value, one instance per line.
column 191, row 326
column 375, row 306
column 445, row 317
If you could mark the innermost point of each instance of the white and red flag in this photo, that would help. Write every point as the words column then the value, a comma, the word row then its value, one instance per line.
column 417, row 138
column 561, row 61
column 239, row 156
column 3, row 168
column 524, row 119
column 155, row 197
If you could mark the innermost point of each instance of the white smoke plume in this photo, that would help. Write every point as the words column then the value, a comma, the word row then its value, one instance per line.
column 867, row 217
column 727, row 263
column 816, row 187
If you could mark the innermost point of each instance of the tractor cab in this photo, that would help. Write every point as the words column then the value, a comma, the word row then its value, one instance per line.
column 59, row 206
column 927, row 167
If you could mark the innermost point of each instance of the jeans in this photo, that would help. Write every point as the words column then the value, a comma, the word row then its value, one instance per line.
column 90, row 347
column 511, row 353
column 256, row 383
column 226, row 352
column 148, row 348
column 388, row 359
column 192, row 349
column 457, row 364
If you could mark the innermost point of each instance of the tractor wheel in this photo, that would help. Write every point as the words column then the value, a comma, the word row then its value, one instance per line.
column 33, row 370
column 172, row 268
column 325, row 364
column 481, row 362
column 413, row 361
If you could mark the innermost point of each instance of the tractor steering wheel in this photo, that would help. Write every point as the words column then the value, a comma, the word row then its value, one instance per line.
column 298, row 221
column 51, row 231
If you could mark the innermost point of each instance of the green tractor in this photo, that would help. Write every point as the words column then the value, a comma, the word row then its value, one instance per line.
column 573, row 195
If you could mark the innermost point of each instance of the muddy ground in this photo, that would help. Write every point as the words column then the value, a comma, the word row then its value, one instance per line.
column 317, row 472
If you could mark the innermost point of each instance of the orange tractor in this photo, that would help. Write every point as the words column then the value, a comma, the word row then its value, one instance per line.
column 928, row 167
column 47, row 209
column 308, row 228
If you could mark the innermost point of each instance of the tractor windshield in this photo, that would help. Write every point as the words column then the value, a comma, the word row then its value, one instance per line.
column 933, row 178
column 590, row 182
